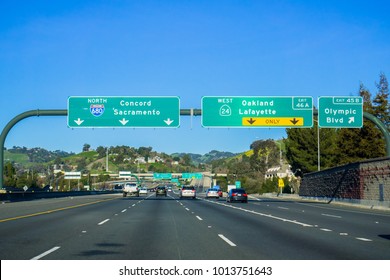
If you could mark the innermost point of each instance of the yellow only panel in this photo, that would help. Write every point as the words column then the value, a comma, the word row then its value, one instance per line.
column 265, row 121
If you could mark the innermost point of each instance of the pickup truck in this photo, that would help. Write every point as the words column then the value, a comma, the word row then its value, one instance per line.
column 130, row 189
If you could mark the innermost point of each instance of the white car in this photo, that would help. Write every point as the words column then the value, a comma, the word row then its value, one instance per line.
column 212, row 193
column 143, row 190
column 188, row 191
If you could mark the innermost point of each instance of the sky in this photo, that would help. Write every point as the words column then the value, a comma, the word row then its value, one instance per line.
column 53, row 50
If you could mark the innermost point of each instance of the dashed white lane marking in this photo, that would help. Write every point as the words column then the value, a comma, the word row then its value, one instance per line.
column 227, row 240
column 325, row 229
column 124, row 210
column 285, row 208
column 363, row 239
column 332, row 216
column 46, row 253
column 187, row 209
column 199, row 218
column 102, row 222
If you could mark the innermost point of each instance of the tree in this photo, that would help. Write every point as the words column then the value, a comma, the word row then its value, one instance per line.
column 82, row 163
column 187, row 160
column 356, row 144
column 58, row 160
column 9, row 175
column 86, row 147
column 302, row 148
column 381, row 101
column 101, row 151
column 265, row 155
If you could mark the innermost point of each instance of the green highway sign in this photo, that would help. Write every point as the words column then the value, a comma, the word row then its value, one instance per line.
column 124, row 111
column 162, row 176
column 192, row 175
column 257, row 111
column 340, row 112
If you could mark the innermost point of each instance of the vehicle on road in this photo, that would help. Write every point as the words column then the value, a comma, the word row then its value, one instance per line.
column 188, row 191
column 237, row 195
column 130, row 189
column 212, row 193
column 118, row 188
column 161, row 190
column 218, row 188
column 143, row 190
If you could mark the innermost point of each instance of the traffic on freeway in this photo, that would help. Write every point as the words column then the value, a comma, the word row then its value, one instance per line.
column 171, row 226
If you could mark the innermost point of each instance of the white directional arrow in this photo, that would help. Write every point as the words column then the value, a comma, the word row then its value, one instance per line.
column 351, row 120
column 168, row 121
column 78, row 121
column 124, row 121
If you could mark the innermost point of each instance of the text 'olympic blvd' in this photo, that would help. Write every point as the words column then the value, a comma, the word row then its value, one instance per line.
column 216, row 111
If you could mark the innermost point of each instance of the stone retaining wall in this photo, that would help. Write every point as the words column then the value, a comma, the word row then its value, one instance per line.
column 365, row 180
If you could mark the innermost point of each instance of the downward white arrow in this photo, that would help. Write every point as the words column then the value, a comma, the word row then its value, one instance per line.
column 351, row 119
column 168, row 121
column 123, row 121
column 78, row 121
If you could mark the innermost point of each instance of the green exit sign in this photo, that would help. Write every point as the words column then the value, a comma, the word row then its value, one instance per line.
column 162, row 176
column 124, row 111
column 257, row 111
column 340, row 112
column 192, row 175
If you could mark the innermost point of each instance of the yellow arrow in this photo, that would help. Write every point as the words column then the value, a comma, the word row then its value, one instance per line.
column 282, row 121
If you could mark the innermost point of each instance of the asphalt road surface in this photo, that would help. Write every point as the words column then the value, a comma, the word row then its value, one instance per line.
column 110, row 227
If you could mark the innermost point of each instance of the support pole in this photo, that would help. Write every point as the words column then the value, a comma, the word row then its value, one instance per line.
column 18, row 118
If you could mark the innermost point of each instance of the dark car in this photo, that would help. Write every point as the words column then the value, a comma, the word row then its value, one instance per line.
column 161, row 190
column 237, row 195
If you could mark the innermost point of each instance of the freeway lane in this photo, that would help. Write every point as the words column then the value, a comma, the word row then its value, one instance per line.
column 112, row 227
column 290, row 230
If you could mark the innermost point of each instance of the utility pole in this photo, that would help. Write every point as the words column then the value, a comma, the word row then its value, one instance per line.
column 107, row 159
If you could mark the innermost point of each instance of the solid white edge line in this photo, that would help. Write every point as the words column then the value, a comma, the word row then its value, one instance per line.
column 102, row 222
column 227, row 240
column 46, row 253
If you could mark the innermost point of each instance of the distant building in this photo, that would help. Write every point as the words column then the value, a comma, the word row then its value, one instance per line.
column 155, row 159
column 140, row 160
column 279, row 172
